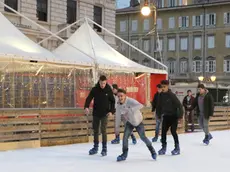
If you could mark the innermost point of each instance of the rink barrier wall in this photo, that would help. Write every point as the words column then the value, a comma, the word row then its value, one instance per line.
column 34, row 128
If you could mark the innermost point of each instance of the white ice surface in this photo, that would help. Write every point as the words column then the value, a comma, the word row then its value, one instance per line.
column 195, row 157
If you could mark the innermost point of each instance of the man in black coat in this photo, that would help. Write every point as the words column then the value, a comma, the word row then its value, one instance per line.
column 103, row 106
column 189, row 112
column 157, row 115
column 171, row 110
column 204, row 104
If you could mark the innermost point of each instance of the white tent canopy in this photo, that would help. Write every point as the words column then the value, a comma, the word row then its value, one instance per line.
column 14, row 44
column 89, row 42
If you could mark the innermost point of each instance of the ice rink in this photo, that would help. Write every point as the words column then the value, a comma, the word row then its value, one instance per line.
column 195, row 157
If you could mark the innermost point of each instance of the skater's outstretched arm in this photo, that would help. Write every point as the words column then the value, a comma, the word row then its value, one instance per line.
column 89, row 98
column 178, row 105
column 112, row 102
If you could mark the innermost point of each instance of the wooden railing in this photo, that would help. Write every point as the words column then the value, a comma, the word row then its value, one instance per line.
column 48, row 127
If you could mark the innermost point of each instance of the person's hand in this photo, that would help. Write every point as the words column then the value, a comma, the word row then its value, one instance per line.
column 109, row 114
column 87, row 111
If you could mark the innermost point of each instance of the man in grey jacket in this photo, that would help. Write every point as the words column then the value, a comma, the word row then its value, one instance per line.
column 118, row 119
column 130, row 109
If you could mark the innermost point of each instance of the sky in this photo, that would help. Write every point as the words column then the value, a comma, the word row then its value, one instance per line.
column 122, row 3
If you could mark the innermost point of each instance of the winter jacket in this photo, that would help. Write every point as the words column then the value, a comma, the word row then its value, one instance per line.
column 188, row 104
column 208, row 105
column 104, row 101
column 154, row 103
column 169, row 105
column 130, row 110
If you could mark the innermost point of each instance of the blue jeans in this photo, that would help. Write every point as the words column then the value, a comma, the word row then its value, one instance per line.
column 203, row 122
column 158, row 124
column 141, row 132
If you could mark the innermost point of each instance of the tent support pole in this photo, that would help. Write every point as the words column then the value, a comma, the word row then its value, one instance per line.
column 94, row 55
column 41, row 27
column 161, row 64
column 69, row 26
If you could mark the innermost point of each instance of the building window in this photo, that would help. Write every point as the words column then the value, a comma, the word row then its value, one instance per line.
column 183, row 66
column 183, row 2
column 12, row 3
column 135, row 44
column 42, row 10
column 97, row 18
column 210, row 66
column 172, row 44
column 227, row 18
column 146, row 45
column 197, row 66
column 159, row 23
column 183, row 44
column 146, row 24
column 71, row 11
column 134, row 25
column 171, row 3
column 197, row 20
column 160, row 3
column 227, row 65
column 227, row 41
column 171, row 22
column 210, row 19
column 159, row 45
column 197, row 43
column 171, row 66
column 122, row 26
column 184, row 21
column 211, row 42
column 146, row 62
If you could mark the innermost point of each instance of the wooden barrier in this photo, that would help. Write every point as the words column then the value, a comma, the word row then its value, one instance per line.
column 47, row 127
column 19, row 129
column 60, row 127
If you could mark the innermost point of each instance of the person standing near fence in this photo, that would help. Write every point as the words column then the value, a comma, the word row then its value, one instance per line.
column 130, row 109
column 118, row 119
column 189, row 112
column 204, row 104
column 157, row 115
column 103, row 106
column 171, row 111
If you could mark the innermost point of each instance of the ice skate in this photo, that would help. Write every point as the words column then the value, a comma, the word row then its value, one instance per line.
column 176, row 151
column 93, row 151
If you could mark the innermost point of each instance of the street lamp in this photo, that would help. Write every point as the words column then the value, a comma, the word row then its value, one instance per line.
column 201, row 78
column 213, row 78
column 145, row 10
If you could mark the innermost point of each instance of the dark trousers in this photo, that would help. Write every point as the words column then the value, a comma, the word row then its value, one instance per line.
column 97, row 121
column 140, row 130
column 169, row 121
column 189, row 118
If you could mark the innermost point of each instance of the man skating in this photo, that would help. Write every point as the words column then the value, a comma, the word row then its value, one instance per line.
column 189, row 112
column 130, row 109
column 205, row 108
column 104, row 105
column 157, row 115
column 171, row 111
column 118, row 119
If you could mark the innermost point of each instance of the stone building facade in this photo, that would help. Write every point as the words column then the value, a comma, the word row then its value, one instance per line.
column 193, row 37
column 57, row 14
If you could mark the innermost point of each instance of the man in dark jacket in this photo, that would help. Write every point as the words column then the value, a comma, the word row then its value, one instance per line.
column 205, row 108
column 104, row 105
column 157, row 115
column 171, row 110
column 189, row 112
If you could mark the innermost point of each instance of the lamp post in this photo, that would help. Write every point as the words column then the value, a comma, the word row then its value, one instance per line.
column 146, row 11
